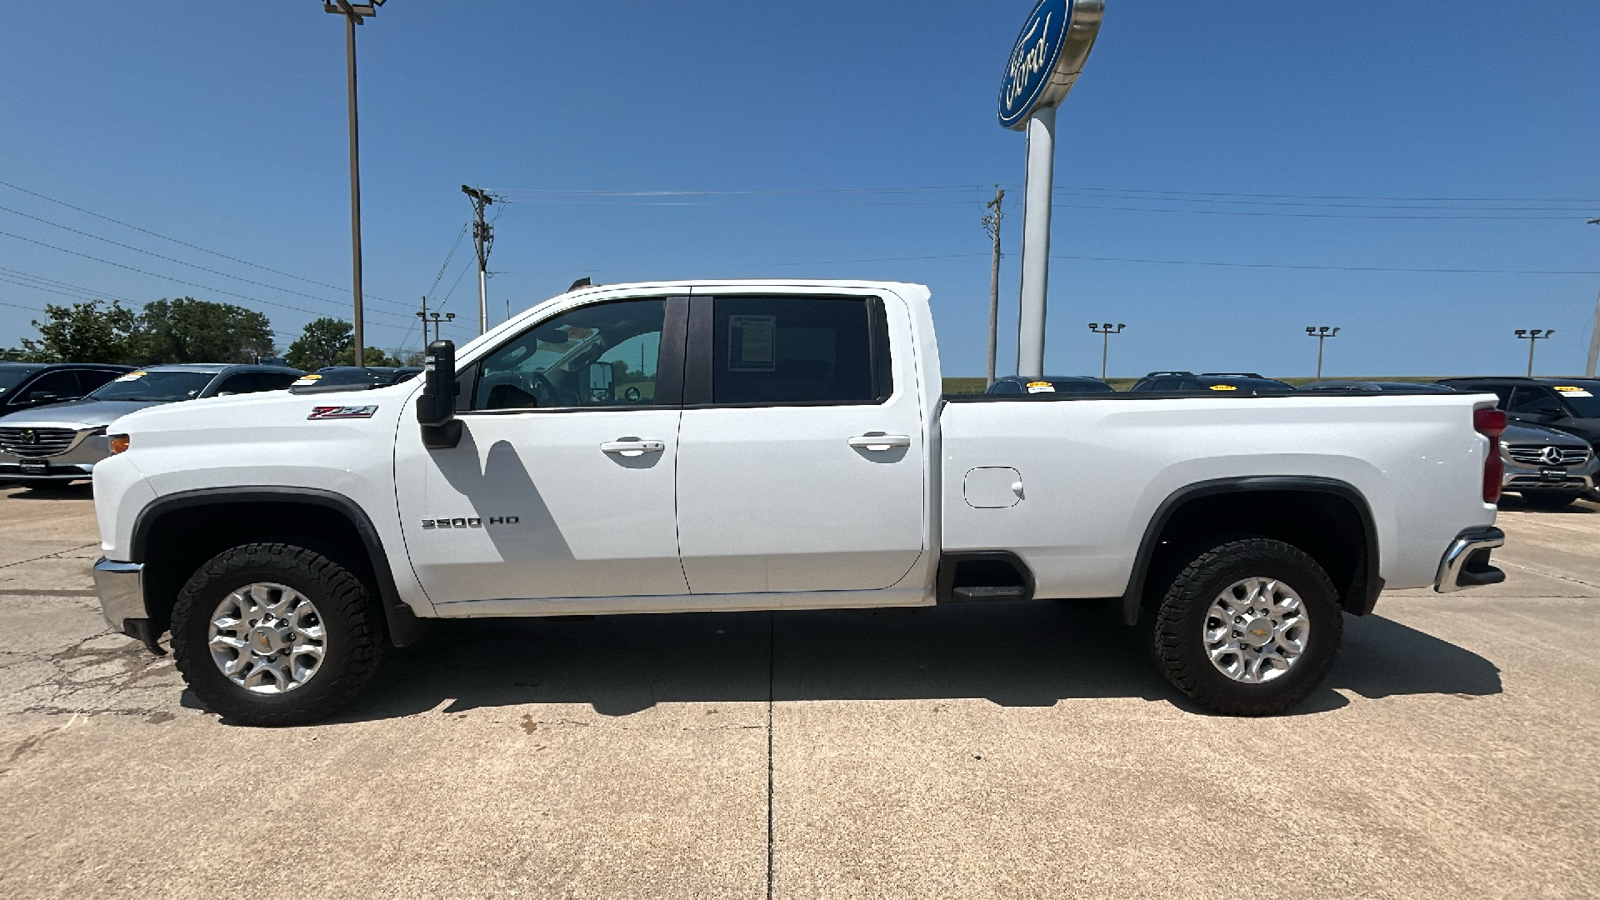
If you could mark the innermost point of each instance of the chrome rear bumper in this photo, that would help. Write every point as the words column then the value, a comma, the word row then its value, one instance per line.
column 1466, row 563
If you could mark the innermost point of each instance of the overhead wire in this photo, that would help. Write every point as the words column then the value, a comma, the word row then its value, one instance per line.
column 207, row 287
column 218, row 253
column 168, row 258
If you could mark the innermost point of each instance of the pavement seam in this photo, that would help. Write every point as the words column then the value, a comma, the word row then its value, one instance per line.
column 1548, row 574
column 772, row 643
column 23, row 562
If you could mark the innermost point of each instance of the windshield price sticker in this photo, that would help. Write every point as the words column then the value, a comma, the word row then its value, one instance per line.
column 1041, row 387
column 752, row 343
column 132, row 376
column 1223, row 387
column 1572, row 390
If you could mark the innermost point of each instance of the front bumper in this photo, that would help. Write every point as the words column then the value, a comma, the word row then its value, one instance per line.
column 1466, row 562
column 121, row 589
column 43, row 471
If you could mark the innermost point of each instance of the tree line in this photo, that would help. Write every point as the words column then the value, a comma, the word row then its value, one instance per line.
column 185, row 330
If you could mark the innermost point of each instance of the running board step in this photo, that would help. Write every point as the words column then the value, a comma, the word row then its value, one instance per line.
column 990, row 592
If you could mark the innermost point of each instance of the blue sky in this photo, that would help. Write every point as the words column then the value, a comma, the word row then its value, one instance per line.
column 833, row 139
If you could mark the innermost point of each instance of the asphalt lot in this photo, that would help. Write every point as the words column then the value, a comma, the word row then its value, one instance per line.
column 1016, row 750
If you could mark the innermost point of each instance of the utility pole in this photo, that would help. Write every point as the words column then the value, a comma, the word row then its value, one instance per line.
column 353, row 14
column 991, row 224
column 482, row 240
column 424, row 317
column 1321, row 334
column 1106, row 331
column 1594, row 333
column 1533, row 336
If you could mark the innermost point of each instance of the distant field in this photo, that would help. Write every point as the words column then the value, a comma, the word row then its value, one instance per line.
column 965, row 385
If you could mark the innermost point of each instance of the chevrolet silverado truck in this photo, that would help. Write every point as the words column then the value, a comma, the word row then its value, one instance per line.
column 770, row 445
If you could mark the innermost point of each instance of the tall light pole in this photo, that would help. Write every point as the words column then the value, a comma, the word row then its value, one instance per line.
column 1105, row 331
column 1321, row 333
column 1594, row 333
column 353, row 14
column 1533, row 336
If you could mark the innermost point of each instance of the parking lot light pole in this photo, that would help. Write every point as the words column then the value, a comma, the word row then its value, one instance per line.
column 1321, row 333
column 353, row 14
column 1533, row 336
column 1105, row 330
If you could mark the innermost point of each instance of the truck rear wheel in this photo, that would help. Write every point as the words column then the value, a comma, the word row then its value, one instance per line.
column 274, row 634
column 1249, row 627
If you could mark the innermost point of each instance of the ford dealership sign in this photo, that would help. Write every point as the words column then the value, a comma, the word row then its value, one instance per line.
column 1047, row 57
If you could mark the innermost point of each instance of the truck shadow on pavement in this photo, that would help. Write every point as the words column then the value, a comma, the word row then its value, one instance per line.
column 1012, row 654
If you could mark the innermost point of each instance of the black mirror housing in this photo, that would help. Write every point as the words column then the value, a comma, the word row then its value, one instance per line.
column 436, row 407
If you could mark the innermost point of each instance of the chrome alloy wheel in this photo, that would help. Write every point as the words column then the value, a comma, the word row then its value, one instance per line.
column 1256, row 630
column 267, row 638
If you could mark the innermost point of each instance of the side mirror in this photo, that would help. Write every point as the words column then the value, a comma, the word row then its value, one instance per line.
column 602, row 383
column 436, row 407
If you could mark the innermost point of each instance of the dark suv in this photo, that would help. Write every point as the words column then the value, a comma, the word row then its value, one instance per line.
column 1567, row 404
column 1207, row 382
column 26, row 385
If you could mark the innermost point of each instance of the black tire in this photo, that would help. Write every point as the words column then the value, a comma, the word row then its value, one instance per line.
column 1178, row 629
column 354, row 636
column 1549, row 500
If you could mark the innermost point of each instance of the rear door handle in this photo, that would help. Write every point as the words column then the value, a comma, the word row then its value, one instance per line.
column 877, row 440
column 632, row 446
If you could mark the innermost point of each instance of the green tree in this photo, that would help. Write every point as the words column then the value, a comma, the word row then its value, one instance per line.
column 374, row 357
column 189, row 330
column 320, row 344
column 85, row 332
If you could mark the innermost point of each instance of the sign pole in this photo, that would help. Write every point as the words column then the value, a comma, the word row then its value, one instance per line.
column 1043, row 66
column 1036, row 243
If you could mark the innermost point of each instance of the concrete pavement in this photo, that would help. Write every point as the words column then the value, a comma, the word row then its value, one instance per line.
column 1016, row 750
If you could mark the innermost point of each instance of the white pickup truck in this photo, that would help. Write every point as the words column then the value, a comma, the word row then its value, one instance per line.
column 770, row 445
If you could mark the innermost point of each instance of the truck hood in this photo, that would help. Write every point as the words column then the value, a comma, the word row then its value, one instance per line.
column 254, row 415
column 76, row 414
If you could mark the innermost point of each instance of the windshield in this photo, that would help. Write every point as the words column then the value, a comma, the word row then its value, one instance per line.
column 1587, row 407
column 158, row 387
column 11, row 377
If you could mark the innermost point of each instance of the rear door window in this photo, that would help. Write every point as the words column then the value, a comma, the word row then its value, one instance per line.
column 773, row 351
column 61, row 385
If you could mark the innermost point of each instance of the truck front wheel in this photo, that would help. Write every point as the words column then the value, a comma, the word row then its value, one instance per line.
column 1248, row 627
column 274, row 634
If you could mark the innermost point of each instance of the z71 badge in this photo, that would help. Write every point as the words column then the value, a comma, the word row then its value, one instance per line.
column 342, row 412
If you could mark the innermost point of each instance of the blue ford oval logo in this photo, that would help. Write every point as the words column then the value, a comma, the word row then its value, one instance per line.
column 1033, row 59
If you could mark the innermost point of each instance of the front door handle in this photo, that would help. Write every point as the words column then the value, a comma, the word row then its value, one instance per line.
column 877, row 440
column 632, row 446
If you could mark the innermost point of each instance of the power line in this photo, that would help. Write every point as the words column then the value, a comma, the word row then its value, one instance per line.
column 1249, row 265
column 176, row 280
column 976, row 188
column 182, row 243
column 167, row 258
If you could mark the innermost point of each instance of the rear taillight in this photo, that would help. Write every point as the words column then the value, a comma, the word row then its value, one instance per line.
column 1491, row 423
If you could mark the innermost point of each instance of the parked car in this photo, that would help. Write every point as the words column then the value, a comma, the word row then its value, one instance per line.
column 62, row 442
column 1049, row 384
column 352, row 378
column 27, row 385
column 1549, row 468
column 1565, row 404
column 1220, row 382
column 784, row 446
column 1425, row 387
